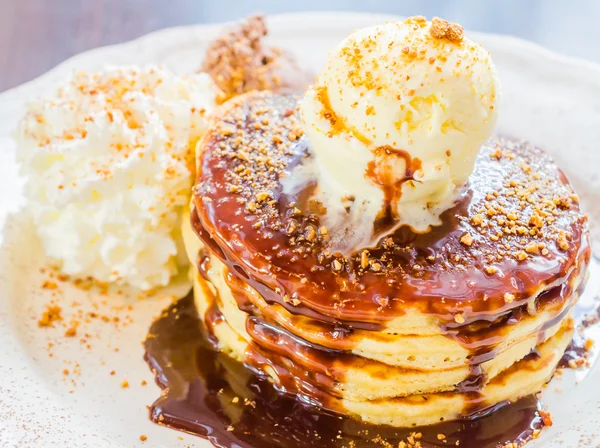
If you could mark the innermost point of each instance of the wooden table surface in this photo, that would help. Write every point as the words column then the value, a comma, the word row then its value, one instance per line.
column 35, row 35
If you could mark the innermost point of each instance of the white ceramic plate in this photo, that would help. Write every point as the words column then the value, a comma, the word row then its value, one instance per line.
column 551, row 100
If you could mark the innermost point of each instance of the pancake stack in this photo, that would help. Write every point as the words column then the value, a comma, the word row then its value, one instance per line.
column 420, row 328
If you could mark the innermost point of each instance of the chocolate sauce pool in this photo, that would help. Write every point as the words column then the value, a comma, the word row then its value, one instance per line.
column 208, row 394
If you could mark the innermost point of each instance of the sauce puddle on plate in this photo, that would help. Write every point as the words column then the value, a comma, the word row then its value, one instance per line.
column 215, row 397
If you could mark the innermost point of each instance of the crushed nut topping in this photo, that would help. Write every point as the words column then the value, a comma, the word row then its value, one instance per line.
column 459, row 318
column 239, row 61
column 467, row 239
column 442, row 29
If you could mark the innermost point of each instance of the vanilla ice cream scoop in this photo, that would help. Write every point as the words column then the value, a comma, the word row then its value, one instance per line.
column 395, row 122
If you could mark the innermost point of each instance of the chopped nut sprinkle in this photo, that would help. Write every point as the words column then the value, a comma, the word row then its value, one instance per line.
column 467, row 239
column 508, row 297
column 53, row 313
column 239, row 61
column 546, row 418
column 491, row 269
column 442, row 29
column 532, row 248
column 364, row 259
column 521, row 255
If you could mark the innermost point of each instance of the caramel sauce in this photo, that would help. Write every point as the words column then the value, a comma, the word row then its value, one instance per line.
column 380, row 171
column 432, row 272
column 210, row 395
column 212, row 318
column 233, row 405
column 488, row 322
column 269, row 294
column 300, row 370
column 337, row 123
column 575, row 351
column 292, row 357
column 329, row 362
column 339, row 338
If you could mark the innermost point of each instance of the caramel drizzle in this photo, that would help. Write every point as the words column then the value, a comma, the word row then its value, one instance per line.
column 217, row 398
column 212, row 315
column 392, row 188
column 313, row 371
column 379, row 171
column 338, row 124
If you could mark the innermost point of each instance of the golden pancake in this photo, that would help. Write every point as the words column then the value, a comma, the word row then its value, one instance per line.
column 406, row 398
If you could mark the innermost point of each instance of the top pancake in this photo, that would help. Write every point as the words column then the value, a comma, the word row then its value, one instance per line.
column 516, row 232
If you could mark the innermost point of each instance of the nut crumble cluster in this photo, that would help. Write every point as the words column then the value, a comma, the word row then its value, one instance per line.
column 442, row 29
column 239, row 62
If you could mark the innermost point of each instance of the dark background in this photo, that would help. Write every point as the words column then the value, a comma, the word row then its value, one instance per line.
column 35, row 35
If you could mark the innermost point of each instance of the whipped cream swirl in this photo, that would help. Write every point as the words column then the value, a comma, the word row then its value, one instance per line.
column 108, row 161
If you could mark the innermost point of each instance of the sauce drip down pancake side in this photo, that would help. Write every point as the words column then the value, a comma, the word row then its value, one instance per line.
column 215, row 397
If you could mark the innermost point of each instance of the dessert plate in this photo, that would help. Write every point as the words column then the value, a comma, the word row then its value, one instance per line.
column 80, row 379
